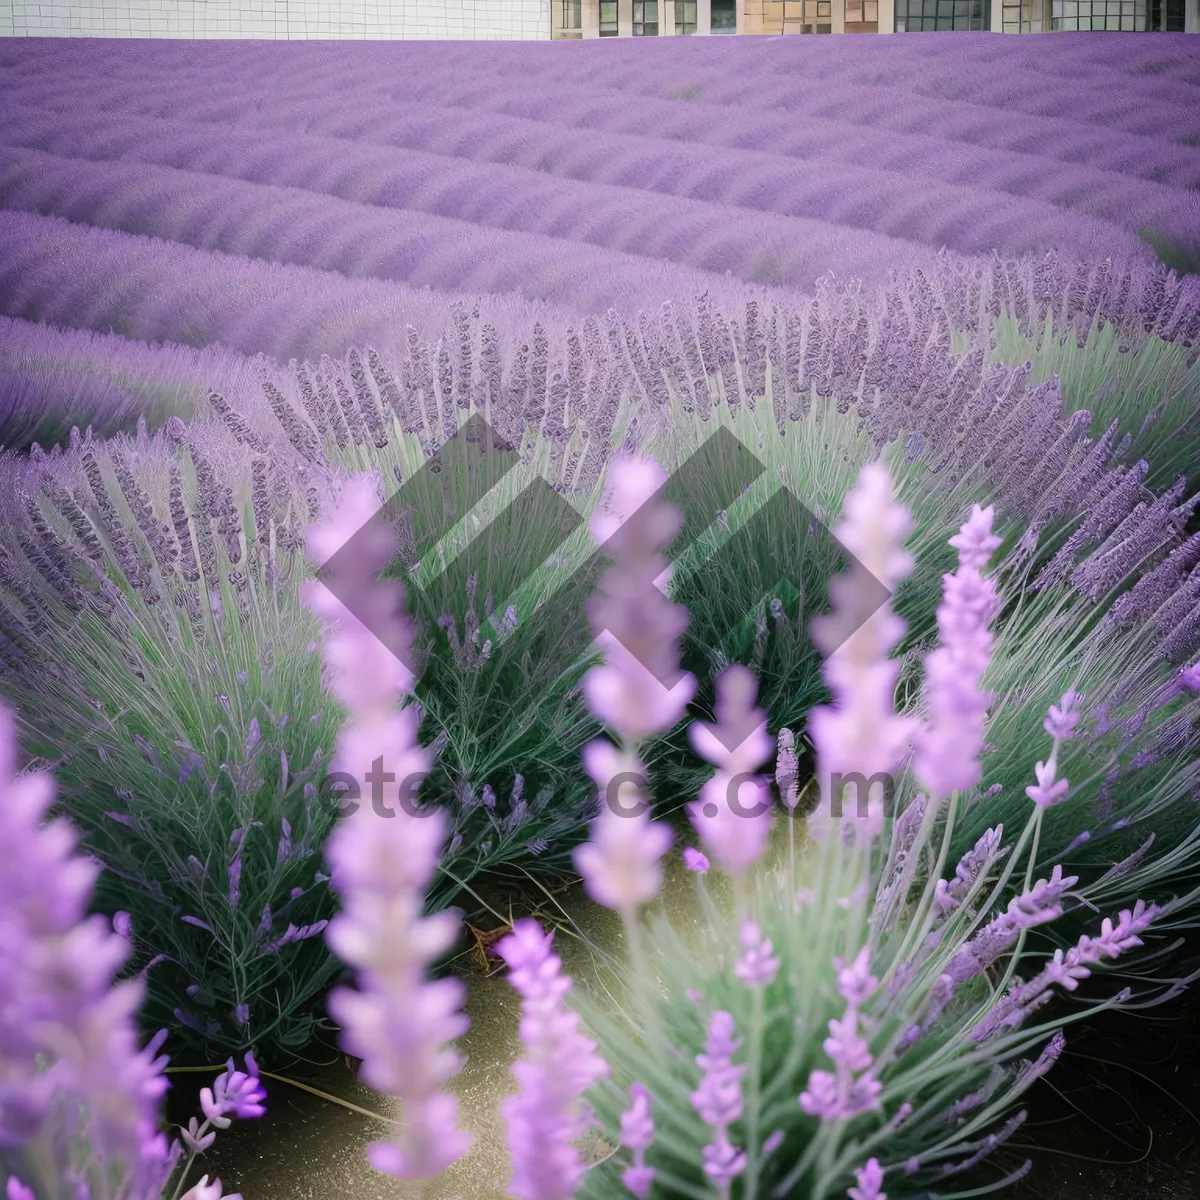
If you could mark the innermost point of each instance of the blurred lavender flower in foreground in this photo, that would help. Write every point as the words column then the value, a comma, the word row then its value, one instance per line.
column 870, row 1182
column 381, row 862
column 861, row 731
column 947, row 751
column 545, row 1117
column 732, row 813
column 718, row 1099
column 639, row 690
column 57, row 967
column 637, row 1134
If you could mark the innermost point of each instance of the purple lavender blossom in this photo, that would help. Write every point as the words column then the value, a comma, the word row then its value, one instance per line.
column 870, row 1182
column 209, row 1191
column 948, row 747
column 545, row 1117
column 637, row 1134
column 852, row 1089
column 861, row 731
column 622, row 864
column 694, row 860
column 1068, row 968
column 948, row 895
column 787, row 769
column 758, row 965
column 57, row 967
column 718, row 1099
column 1059, row 724
column 738, row 744
column 639, row 690
column 238, row 1092
column 395, row 1022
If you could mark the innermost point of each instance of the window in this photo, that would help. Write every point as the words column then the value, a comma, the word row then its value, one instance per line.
column 685, row 16
column 1166, row 16
column 1117, row 15
column 608, row 18
column 812, row 16
column 1018, row 16
column 862, row 16
column 645, row 18
column 724, row 16
column 924, row 16
column 570, row 14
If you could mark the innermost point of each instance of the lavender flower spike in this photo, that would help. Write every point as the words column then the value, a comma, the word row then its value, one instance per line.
column 861, row 731
column 732, row 814
column 637, row 1134
column 1068, row 968
column 948, row 747
column 870, row 1182
column 545, row 1117
column 836, row 1097
column 621, row 866
column 758, row 965
column 396, row 1022
column 57, row 967
column 1059, row 724
column 237, row 1092
column 718, row 1099
column 639, row 690
column 209, row 1191
column 787, row 769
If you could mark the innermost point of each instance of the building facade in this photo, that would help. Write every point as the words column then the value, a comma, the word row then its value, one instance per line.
column 659, row 18
column 526, row 20
column 541, row 19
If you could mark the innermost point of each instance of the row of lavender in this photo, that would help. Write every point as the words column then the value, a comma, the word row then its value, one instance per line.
column 1138, row 300
column 384, row 166
column 927, row 1054
column 155, row 643
column 1123, row 105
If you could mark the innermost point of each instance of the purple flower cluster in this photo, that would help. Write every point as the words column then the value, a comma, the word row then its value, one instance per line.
column 758, row 965
column 1067, row 968
column 869, row 1182
column 947, row 750
column 637, row 1134
column 396, row 1022
column 861, row 731
column 60, row 1004
column 622, row 865
column 851, row 1090
column 949, row 894
column 1037, row 906
column 639, row 689
column 1060, row 723
column 737, row 745
column 718, row 1099
column 559, row 1065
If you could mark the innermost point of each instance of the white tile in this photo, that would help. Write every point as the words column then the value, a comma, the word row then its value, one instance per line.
column 377, row 19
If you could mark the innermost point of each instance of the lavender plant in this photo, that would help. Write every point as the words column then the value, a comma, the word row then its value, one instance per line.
column 859, row 930
column 922, row 994
column 78, row 1099
column 196, row 755
column 52, row 379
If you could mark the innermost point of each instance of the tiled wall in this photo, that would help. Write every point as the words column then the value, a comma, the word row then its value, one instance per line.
column 525, row 19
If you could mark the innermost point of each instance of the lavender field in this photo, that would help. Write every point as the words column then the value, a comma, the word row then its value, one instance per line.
column 411, row 452
column 567, row 178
